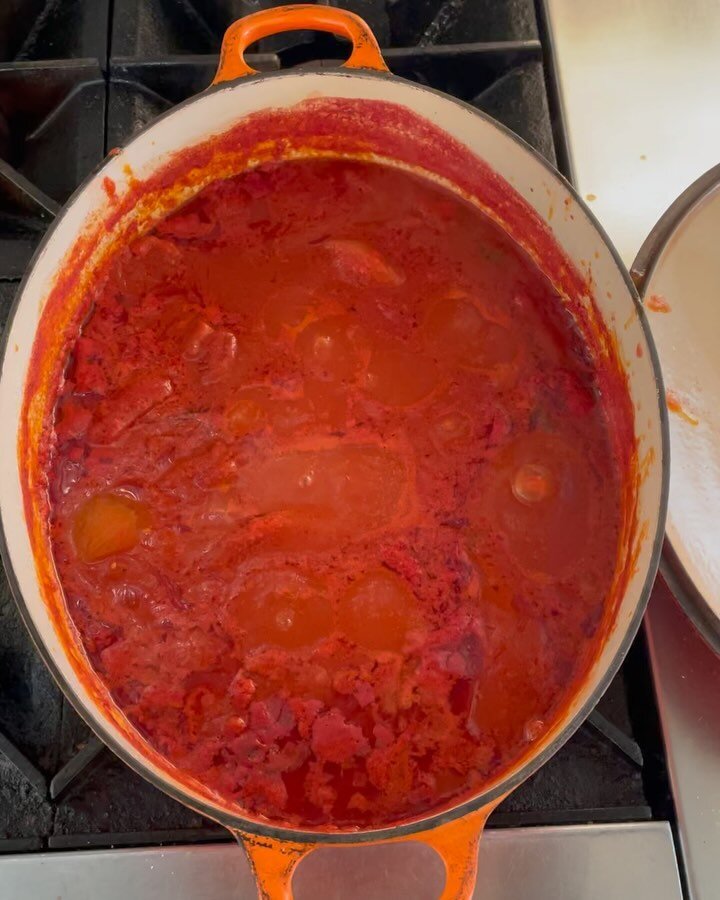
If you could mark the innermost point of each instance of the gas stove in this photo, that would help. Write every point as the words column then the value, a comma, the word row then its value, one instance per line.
column 77, row 78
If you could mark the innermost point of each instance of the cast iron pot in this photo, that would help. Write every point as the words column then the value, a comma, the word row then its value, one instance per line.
column 358, row 110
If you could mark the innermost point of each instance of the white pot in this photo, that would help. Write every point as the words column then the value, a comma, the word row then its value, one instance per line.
column 206, row 138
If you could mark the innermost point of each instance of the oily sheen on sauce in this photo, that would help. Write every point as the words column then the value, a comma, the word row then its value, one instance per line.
column 334, row 506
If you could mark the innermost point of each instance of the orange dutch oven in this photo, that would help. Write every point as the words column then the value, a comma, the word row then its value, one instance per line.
column 358, row 110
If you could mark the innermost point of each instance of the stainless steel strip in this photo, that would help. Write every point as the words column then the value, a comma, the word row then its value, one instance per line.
column 638, row 82
column 687, row 683
column 590, row 862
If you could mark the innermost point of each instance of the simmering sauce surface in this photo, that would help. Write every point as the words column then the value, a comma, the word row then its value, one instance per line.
column 335, row 510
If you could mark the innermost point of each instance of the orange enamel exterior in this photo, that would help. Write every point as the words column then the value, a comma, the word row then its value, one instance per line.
column 274, row 862
column 241, row 34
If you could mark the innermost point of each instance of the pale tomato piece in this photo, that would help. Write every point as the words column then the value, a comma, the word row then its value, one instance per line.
column 397, row 376
column 183, row 324
column 538, row 494
column 196, row 332
column 458, row 333
column 282, row 607
column 348, row 487
column 330, row 347
column 161, row 260
column 453, row 427
column 356, row 262
column 188, row 223
column 253, row 409
column 107, row 524
column 296, row 530
column 249, row 411
column 378, row 611
column 212, row 349
column 217, row 355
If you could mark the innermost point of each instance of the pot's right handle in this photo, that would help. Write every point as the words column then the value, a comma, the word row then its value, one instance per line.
column 241, row 34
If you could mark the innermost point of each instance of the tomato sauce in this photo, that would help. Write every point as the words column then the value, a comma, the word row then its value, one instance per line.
column 334, row 504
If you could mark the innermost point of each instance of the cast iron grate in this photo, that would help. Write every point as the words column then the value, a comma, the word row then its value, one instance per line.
column 67, row 95
column 52, row 120
column 156, row 28
column 53, row 29
column 504, row 80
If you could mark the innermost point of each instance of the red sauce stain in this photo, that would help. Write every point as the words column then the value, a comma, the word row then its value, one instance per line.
column 318, row 126
column 656, row 303
column 110, row 188
column 646, row 463
column 675, row 405
column 639, row 351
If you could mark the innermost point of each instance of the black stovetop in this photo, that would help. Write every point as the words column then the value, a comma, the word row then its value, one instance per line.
column 79, row 77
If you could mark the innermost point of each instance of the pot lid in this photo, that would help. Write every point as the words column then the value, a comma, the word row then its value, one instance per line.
column 677, row 272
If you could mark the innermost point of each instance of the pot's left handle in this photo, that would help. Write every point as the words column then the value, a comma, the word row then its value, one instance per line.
column 241, row 34
column 273, row 863
column 456, row 842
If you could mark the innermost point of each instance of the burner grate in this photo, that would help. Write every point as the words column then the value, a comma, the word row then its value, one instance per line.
column 504, row 79
column 53, row 29
column 51, row 136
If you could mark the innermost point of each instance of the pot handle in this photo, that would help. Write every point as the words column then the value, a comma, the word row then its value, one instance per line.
column 274, row 862
column 241, row 34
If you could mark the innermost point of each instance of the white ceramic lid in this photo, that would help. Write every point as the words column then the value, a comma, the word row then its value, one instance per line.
column 678, row 273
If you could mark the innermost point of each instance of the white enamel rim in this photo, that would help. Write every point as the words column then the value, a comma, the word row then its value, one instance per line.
column 213, row 113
